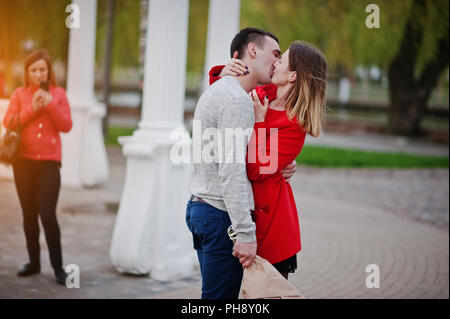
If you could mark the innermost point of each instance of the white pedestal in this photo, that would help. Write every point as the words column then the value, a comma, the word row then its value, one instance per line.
column 85, row 162
column 150, row 234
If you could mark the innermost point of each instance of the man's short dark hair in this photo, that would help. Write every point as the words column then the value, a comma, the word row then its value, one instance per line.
column 246, row 36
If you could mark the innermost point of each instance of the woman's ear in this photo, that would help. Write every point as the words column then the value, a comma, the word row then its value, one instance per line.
column 293, row 76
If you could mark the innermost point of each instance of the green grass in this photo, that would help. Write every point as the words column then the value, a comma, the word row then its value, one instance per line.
column 323, row 156
column 114, row 132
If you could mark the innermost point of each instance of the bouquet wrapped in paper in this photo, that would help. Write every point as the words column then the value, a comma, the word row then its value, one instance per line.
column 263, row 281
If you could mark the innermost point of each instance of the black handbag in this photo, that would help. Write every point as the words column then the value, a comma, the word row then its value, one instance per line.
column 9, row 143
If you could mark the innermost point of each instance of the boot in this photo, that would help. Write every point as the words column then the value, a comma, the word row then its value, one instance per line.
column 61, row 277
column 28, row 270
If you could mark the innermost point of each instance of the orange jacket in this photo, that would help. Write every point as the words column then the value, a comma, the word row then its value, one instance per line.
column 40, row 130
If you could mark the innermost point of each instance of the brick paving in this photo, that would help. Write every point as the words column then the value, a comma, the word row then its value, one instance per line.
column 420, row 194
column 397, row 219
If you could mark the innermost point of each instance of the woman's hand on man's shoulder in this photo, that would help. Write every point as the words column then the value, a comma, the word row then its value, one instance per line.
column 235, row 67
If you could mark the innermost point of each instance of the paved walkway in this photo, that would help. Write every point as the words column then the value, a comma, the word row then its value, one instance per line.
column 349, row 219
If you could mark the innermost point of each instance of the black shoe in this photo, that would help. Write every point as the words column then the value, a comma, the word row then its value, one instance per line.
column 61, row 277
column 28, row 270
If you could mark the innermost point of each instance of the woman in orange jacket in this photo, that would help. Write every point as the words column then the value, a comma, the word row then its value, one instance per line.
column 293, row 105
column 40, row 114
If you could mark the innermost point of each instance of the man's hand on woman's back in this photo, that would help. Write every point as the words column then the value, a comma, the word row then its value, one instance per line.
column 289, row 171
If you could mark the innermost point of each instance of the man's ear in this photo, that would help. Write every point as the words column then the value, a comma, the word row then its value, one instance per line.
column 251, row 49
column 293, row 76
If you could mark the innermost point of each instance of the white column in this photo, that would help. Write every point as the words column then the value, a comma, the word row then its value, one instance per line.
column 150, row 234
column 84, row 155
column 223, row 25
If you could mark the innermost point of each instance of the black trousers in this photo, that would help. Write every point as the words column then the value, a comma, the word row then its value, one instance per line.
column 38, row 184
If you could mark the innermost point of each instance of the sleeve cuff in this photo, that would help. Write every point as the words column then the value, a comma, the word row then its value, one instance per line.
column 51, row 106
column 214, row 73
column 246, row 237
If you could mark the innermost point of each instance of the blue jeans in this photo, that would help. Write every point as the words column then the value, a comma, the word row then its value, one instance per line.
column 221, row 271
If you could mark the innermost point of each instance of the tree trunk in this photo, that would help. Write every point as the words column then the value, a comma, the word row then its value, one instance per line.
column 408, row 95
column 108, row 63
column 406, row 111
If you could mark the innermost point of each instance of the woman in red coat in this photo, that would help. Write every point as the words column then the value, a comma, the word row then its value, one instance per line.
column 285, row 111
column 40, row 115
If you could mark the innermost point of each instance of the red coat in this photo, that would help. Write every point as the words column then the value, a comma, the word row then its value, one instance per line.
column 275, row 215
column 40, row 138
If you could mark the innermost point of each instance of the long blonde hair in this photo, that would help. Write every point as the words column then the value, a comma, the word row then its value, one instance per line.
column 306, row 101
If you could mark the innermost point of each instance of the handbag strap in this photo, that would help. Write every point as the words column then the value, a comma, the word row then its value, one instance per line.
column 18, row 122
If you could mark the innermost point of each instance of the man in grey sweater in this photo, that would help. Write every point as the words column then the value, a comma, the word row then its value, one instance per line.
column 221, row 193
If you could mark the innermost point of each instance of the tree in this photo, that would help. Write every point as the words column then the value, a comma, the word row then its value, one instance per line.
column 411, row 45
column 41, row 21
column 410, row 90
column 125, row 51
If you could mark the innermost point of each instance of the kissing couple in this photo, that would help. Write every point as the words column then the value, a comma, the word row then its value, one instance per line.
column 269, row 92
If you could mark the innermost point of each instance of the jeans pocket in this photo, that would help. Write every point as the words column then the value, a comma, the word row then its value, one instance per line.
column 208, row 225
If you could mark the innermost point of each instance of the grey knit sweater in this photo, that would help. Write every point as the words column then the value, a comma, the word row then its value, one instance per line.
column 225, row 114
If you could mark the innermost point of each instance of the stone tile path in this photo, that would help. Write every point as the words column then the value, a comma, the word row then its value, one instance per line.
column 396, row 219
